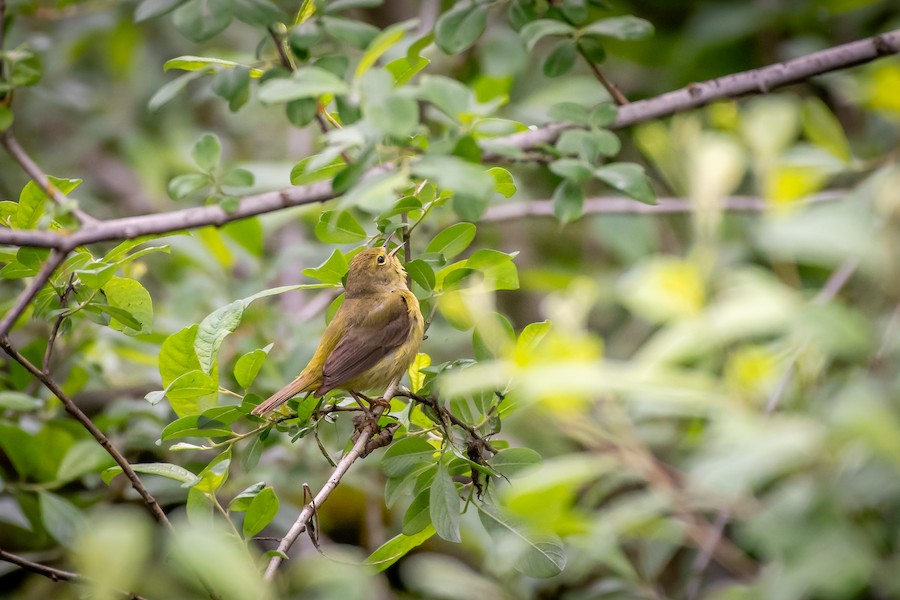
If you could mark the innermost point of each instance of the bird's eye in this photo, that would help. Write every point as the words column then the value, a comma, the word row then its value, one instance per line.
column 381, row 260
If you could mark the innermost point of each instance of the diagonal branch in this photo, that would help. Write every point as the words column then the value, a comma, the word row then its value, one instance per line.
column 52, row 572
column 8, row 140
column 86, row 422
column 49, row 267
column 692, row 96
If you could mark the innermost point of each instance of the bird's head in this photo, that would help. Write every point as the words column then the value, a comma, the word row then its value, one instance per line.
column 375, row 270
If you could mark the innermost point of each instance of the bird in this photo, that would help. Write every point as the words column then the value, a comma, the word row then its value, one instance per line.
column 373, row 338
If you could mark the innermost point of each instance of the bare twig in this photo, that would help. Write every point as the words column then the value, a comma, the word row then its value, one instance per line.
column 54, row 331
column 446, row 414
column 358, row 450
column 28, row 294
column 616, row 94
column 8, row 140
column 70, row 406
column 52, row 572
column 665, row 206
column 832, row 287
column 756, row 81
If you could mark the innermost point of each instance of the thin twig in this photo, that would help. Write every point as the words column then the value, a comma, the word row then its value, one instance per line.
column 444, row 413
column 57, row 257
column 9, row 141
column 755, row 81
column 48, row 353
column 52, row 572
column 617, row 96
column 832, row 287
column 357, row 451
column 286, row 61
column 70, row 406
column 665, row 206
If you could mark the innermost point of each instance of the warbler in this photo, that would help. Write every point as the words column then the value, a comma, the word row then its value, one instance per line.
column 372, row 339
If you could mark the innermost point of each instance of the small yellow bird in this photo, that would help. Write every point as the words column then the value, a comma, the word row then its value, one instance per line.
column 372, row 339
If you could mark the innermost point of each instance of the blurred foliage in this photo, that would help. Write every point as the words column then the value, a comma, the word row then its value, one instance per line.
column 639, row 377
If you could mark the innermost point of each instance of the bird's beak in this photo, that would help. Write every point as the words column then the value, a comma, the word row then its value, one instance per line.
column 394, row 251
column 387, row 240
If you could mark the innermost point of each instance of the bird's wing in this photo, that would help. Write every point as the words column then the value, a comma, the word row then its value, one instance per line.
column 384, row 328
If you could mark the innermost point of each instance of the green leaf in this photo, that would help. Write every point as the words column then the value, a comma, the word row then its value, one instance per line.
column 198, row 425
column 182, row 186
column 339, row 227
column 60, row 517
column 628, row 178
column 171, row 89
column 355, row 33
column 207, row 152
column 569, row 112
column 396, row 547
column 261, row 13
column 241, row 502
column 18, row 401
column 214, row 475
column 21, row 448
column 456, row 174
column 539, row 557
column 200, row 20
column 213, row 330
column 332, row 270
column 534, row 31
column 604, row 114
column 32, row 200
column 130, row 296
column 84, row 456
column 503, row 181
column 207, row 64
column 177, row 355
column 568, row 201
column 166, row 470
column 190, row 386
column 452, row 240
column 450, row 96
column 97, row 274
column 458, row 28
column 823, row 129
column 575, row 170
column 561, row 58
column 238, row 178
column 247, row 367
column 513, row 461
column 376, row 194
column 422, row 273
column 381, row 44
column 300, row 175
column 405, row 68
column 531, row 336
column 405, row 455
column 444, row 505
column 301, row 112
column 417, row 517
column 262, row 510
column 622, row 28
column 6, row 117
column 234, row 85
column 308, row 82
column 498, row 269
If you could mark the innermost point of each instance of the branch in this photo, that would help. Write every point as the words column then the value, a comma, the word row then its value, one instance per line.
column 86, row 422
column 8, row 140
column 446, row 414
column 756, row 81
column 52, row 572
column 614, row 92
column 343, row 465
column 9, row 319
column 666, row 206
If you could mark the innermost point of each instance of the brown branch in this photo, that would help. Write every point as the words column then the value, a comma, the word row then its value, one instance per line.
column 8, row 140
column 446, row 414
column 52, row 572
column 616, row 94
column 70, row 406
column 665, row 206
column 358, row 450
column 756, row 81
column 49, row 267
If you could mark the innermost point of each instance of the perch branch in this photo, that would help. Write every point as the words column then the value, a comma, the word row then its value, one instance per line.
column 760, row 80
column 28, row 294
column 446, row 414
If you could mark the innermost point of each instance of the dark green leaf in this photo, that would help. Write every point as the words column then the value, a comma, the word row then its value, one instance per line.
column 405, row 455
column 395, row 548
column 355, row 33
column 457, row 29
column 262, row 510
column 623, row 28
column 444, row 505
column 534, row 31
column 200, row 20
column 628, row 178
column 561, row 58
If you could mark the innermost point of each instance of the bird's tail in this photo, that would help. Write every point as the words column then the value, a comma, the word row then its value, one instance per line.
column 297, row 386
